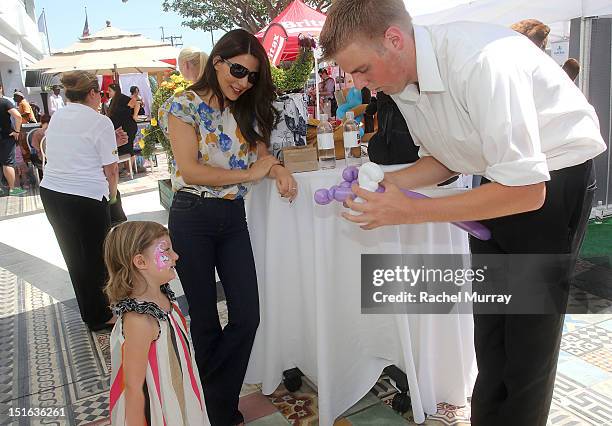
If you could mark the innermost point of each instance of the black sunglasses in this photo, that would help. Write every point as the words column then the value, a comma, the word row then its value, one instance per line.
column 240, row 71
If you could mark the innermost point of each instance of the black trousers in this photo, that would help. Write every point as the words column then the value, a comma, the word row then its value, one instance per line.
column 209, row 233
column 80, row 225
column 517, row 354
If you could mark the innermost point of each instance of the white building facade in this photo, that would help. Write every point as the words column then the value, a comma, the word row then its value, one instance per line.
column 20, row 43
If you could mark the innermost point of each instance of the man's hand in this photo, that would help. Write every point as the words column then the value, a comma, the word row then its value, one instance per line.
column 391, row 207
column 15, row 135
column 121, row 137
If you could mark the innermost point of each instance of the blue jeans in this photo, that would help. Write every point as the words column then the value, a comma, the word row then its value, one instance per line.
column 210, row 233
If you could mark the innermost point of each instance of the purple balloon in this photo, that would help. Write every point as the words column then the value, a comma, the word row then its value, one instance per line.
column 343, row 193
column 350, row 174
column 322, row 196
column 332, row 191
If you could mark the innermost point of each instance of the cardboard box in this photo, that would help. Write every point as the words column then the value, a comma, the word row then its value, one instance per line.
column 301, row 159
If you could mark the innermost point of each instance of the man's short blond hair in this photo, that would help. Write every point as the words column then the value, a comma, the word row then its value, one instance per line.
column 348, row 20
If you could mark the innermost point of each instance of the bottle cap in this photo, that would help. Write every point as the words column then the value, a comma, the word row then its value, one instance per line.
column 323, row 117
column 350, row 115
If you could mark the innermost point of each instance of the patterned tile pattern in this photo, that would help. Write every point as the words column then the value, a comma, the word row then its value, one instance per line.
column 602, row 358
column 450, row 415
column 581, row 302
column 299, row 408
column 49, row 359
column 30, row 202
column 575, row 344
column 91, row 409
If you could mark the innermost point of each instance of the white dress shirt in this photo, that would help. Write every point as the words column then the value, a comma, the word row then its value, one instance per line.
column 80, row 141
column 55, row 102
column 489, row 102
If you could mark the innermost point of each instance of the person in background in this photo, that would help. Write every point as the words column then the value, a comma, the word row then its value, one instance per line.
column 10, row 126
column 2, row 95
column 55, row 100
column 122, row 115
column 136, row 102
column 534, row 30
column 104, row 103
column 37, row 136
column 392, row 142
column 327, row 91
column 25, row 110
column 191, row 63
column 572, row 68
column 219, row 129
column 21, row 169
column 79, row 185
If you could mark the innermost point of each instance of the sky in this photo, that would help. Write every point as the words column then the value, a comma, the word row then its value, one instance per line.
column 66, row 18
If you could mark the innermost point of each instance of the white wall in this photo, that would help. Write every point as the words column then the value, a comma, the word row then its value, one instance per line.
column 11, row 77
column 20, row 45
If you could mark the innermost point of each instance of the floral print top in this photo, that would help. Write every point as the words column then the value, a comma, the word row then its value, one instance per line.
column 220, row 142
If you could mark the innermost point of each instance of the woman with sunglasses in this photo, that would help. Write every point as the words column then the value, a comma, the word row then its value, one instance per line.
column 219, row 129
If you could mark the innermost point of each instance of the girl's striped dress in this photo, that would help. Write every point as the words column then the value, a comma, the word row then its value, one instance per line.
column 172, row 389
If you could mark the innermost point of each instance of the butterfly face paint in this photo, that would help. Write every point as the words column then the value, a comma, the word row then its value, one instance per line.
column 162, row 260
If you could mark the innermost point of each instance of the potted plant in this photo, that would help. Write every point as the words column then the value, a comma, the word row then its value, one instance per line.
column 295, row 76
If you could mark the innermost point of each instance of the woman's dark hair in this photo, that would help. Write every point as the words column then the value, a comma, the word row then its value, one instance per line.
column 133, row 89
column 114, row 99
column 256, row 103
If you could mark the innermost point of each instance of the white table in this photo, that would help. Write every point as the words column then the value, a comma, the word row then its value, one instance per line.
column 308, row 268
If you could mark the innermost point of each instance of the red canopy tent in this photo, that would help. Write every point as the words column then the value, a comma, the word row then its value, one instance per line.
column 298, row 18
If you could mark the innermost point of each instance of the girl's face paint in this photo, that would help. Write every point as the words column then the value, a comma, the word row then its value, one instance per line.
column 162, row 260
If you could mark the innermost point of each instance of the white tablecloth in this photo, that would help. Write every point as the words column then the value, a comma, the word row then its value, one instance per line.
column 308, row 268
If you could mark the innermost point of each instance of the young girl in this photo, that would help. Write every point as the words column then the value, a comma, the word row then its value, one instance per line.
column 155, row 380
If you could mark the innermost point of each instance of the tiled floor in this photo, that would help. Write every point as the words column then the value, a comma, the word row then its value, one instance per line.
column 49, row 359
column 30, row 203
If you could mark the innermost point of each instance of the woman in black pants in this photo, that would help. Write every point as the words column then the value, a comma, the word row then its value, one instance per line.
column 219, row 129
column 80, row 183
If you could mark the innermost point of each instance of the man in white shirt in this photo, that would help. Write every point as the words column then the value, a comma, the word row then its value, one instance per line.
column 55, row 100
column 481, row 99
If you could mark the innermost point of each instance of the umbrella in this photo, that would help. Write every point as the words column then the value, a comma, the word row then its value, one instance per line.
column 110, row 49
column 129, row 67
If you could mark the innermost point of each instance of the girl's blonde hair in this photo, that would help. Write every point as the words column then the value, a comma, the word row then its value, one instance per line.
column 195, row 57
column 122, row 243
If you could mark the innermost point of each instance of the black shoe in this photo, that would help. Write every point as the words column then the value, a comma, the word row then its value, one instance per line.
column 238, row 418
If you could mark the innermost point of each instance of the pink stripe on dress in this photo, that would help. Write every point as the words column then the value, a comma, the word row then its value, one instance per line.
column 155, row 371
column 118, row 385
